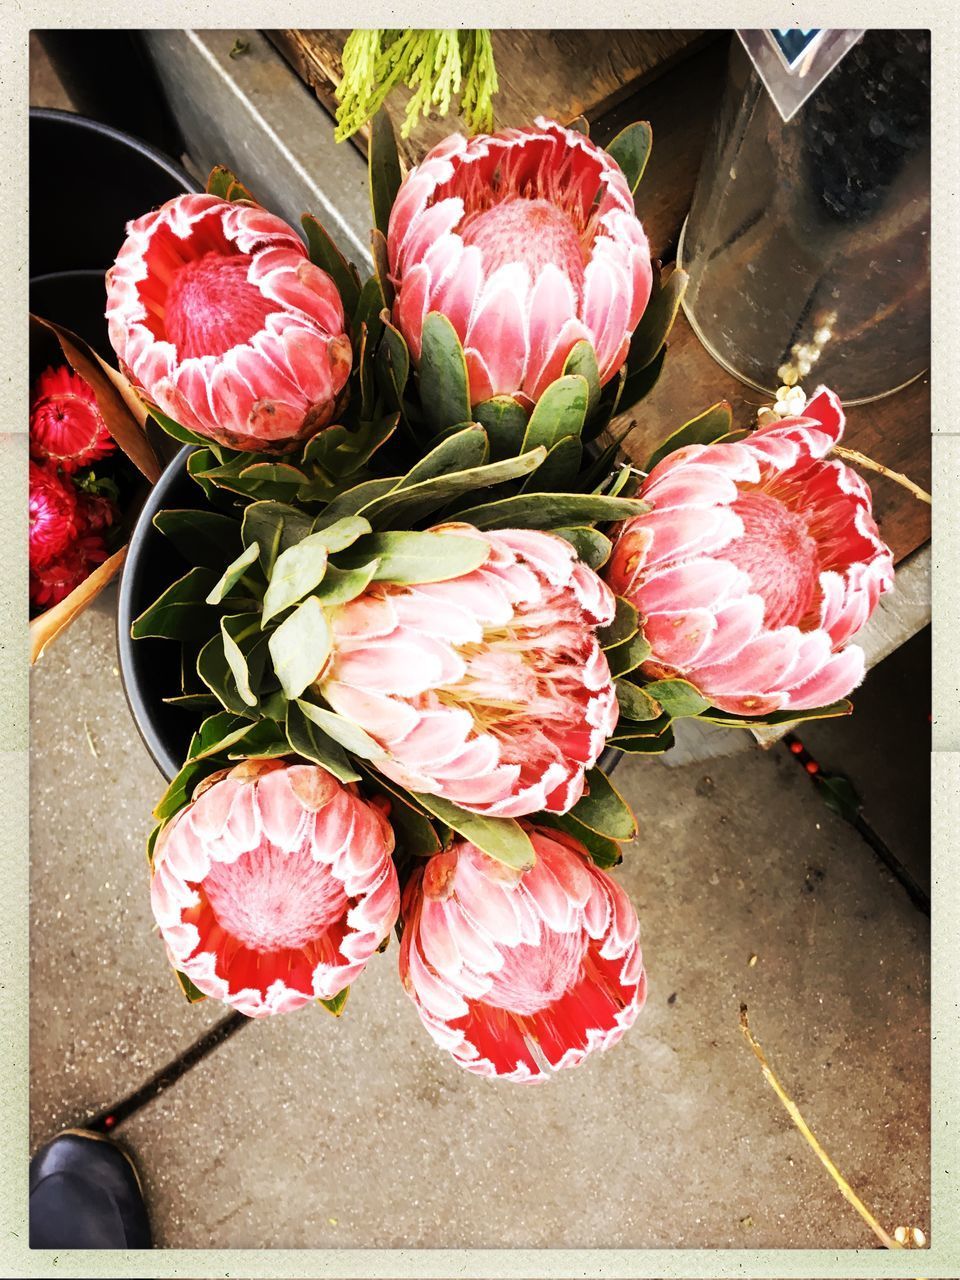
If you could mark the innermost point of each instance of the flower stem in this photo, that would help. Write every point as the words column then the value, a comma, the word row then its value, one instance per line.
column 793, row 1111
column 851, row 455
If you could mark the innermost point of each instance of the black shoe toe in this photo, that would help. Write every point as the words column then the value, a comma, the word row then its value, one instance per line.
column 85, row 1194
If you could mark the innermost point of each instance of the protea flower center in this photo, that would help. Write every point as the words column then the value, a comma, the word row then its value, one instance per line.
column 532, row 232
column 270, row 899
column 211, row 305
column 535, row 976
column 780, row 555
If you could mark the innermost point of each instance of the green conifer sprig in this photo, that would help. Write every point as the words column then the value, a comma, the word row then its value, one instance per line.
column 436, row 65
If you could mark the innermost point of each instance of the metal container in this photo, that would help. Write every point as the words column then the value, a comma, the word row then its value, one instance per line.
column 808, row 241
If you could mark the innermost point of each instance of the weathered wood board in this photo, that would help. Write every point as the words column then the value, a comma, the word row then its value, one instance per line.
column 561, row 74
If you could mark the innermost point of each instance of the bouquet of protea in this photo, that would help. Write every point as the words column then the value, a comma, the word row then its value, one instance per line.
column 425, row 600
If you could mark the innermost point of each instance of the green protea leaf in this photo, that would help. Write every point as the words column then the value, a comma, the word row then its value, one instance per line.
column 181, row 612
column 656, row 322
column 325, row 254
column 505, row 422
column 274, row 526
column 203, row 538
column 583, row 361
column 704, row 429
column 444, row 384
column 591, row 546
column 561, row 411
column 631, row 149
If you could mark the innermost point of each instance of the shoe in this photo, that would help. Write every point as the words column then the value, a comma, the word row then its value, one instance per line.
column 85, row 1193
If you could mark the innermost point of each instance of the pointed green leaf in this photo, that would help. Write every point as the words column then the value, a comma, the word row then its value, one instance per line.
column 298, row 570
column 309, row 741
column 656, row 322
column 274, row 526
column 466, row 448
column 635, row 703
column 182, row 434
column 350, row 736
column 223, row 182
column 582, row 360
column 418, row 501
column 381, row 265
column 603, row 809
column 592, row 547
column 841, row 708
column 356, row 499
column 192, row 992
column 444, row 384
column 625, row 625
column 559, row 470
column 505, row 422
column 628, row 656
column 233, row 573
column 705, row 429
column 628, row 728
column 337, row 1004
column 560, row 411
column 264, row 739
column 341, row 585
column 393, row 359
column 414, row 832
column 631, row 150
column 678, row 698
column 203, row 538
column 342, row 451
column 214, row 670
column 300, row 646
column 181, row 612
column 502, row 838
column 411, row 556
column 640, row 384
column 235, row 628
column 644, row 744
column 547, row 510
column 385, row 174
column 603, row 851
column 325, row 254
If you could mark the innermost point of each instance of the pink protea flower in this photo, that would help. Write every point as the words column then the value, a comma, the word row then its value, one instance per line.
column 53, row 518
column 517, row 973
column 527, row 242
column 274, row 886
column 66, row 427
column 54, row 581
column 217, row 313
column 758, row 562
column 491, row 689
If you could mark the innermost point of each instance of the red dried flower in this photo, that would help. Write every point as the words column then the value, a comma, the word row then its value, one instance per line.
column 96, row 512
column 66, row 427
column 54, row 519
column 55, row 581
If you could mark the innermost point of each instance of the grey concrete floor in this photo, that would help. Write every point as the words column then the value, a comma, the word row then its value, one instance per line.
column 308, row 1131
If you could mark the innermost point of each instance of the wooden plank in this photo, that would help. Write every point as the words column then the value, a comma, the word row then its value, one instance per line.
column 894, row 431
column 681, row 106
column 560, row 74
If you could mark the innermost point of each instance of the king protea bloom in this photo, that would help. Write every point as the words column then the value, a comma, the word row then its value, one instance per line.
column 217, row 313
column 274, row 886
column 490, row 689
column 518, row 973
column 527, row 242
column 66, row 427
column 757, row 563
column 54, row 521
